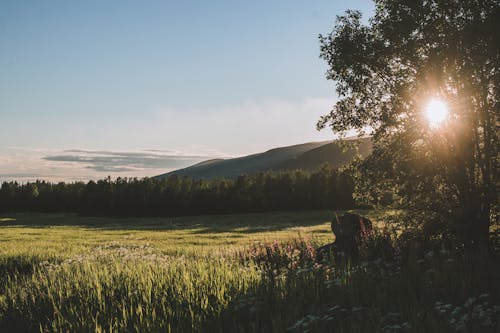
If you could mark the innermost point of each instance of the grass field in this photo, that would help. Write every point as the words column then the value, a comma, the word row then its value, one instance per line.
column 141, row 247
column 225, row 273
column 68, row 235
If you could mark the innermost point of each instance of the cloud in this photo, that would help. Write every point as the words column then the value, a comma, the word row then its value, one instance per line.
column 19, row 175
column 111, row 161
column 174, row 137
column 29, row 164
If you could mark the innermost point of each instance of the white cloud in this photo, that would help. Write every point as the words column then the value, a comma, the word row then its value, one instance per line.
column 74, row 165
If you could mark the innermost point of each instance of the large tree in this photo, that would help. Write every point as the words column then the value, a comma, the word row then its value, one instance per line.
column 387, row 71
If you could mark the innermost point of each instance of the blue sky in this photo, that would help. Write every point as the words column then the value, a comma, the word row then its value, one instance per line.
column 186, row 80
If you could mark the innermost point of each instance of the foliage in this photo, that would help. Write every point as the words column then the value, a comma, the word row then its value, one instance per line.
column 386, row 71
column 173, row 196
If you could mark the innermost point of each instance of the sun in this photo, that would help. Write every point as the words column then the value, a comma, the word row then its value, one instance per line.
column 436, row 112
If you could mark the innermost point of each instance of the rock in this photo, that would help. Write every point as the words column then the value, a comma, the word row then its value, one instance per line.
column 350, row 231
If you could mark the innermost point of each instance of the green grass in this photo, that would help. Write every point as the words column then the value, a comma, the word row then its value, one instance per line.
column 60, row 266
column 66, row 235
column 65, row 273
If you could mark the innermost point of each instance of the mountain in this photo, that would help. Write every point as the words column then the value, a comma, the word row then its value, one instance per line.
column 331, row 153
column 306, row 156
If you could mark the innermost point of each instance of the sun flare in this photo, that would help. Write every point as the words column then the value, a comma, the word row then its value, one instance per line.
column 436, row 111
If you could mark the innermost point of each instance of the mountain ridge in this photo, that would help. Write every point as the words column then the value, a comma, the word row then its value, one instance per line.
column 306, row 156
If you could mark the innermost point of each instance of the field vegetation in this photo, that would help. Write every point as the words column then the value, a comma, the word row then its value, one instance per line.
column 233, row 273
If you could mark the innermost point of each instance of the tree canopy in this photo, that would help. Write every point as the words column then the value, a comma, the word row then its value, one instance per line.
column 325, row 188
column 386, row 71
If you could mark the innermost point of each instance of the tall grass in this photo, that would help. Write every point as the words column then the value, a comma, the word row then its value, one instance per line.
column 175, row 295
column 278, row 286
column 440, row 291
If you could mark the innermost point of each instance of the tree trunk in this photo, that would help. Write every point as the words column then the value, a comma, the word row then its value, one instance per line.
column 483, row 229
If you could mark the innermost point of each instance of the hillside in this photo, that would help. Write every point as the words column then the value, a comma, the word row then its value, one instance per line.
column 331, row 153
column 307, row 156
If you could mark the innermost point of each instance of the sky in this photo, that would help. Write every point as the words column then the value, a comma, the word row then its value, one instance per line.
column 138, row 88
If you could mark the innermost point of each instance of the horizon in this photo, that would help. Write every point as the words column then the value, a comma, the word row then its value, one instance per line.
column 134, row 90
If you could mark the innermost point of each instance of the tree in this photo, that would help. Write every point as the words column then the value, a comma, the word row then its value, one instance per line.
column 387, row 70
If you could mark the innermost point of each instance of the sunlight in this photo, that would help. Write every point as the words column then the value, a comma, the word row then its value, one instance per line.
column 436, row 111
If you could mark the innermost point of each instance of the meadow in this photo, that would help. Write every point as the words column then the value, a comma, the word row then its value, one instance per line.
column 232, row 273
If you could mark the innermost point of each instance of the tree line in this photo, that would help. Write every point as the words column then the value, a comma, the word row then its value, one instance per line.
column 173, row 196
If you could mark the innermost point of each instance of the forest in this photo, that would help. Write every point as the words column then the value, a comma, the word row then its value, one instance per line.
column 174, row 196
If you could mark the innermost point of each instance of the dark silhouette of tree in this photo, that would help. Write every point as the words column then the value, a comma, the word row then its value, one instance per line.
column 410, row 52
column 265, row 191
